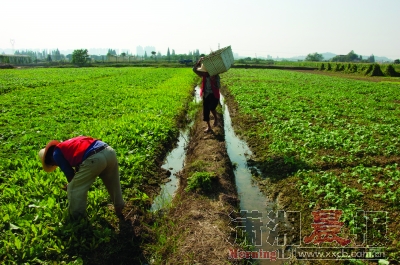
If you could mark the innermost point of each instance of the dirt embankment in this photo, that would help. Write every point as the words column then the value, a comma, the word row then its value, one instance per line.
column 6, row 66
column 201, row 217
column 355, row 76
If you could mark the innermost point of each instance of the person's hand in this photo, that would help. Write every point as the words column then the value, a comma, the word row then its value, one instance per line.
column 65, row 187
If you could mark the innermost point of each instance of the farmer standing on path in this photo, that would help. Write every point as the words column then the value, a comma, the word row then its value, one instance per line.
column 209, row 91
column 82, row 159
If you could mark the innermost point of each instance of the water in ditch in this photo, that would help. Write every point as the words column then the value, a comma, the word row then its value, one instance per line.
column 253, row 203
column 252, row 199
column 174, row 162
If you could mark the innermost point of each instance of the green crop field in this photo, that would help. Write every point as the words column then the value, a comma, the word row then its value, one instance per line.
column 337, row 138
column 135, row 110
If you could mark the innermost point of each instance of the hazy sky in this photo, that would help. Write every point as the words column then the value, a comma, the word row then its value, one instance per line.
column 283, row 28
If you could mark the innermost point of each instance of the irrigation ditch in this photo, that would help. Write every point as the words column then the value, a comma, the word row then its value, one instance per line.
column 211, row 225
column 196, row 224
column 222, row 221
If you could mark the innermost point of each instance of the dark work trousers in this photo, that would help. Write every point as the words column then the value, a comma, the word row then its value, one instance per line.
column 209, row 103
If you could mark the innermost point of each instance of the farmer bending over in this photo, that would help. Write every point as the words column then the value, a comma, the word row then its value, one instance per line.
column 82, row 159
column 209, row 91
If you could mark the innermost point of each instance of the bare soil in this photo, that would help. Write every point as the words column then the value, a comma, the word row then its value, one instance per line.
column 201, row 218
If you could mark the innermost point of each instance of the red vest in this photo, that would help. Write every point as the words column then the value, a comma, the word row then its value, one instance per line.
column 214, row 87
column 74, row 149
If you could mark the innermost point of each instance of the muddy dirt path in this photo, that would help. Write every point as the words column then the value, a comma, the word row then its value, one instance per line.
column 201, row 217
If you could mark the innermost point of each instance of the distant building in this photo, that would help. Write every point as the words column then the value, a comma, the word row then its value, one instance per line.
column 139, row 51
column 97, row 51
column 148, row 49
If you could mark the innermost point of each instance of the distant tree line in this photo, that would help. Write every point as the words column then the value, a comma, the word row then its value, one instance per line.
column 82, row 56
column 44, row 55
column 314, row 57
column 255, row 61
column 171, row 56
column 351, row 57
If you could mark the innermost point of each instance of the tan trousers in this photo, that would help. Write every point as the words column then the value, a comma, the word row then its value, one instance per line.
column 103, row 164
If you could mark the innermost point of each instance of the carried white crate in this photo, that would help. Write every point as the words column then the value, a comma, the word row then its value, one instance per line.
column 219, row 61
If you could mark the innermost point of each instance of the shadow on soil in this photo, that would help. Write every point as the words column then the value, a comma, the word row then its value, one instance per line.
column 128, row 252
column 128, row 236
